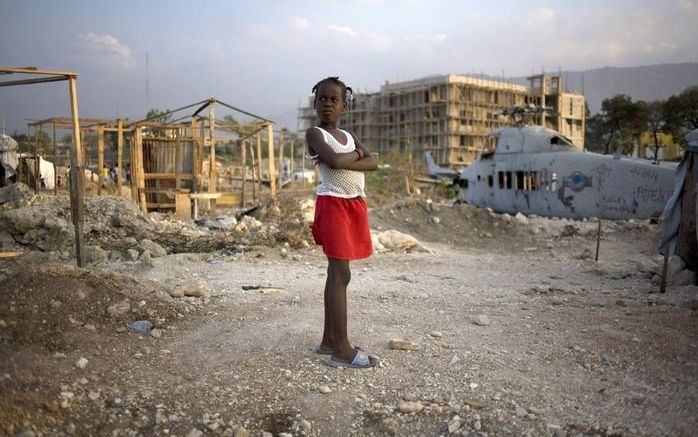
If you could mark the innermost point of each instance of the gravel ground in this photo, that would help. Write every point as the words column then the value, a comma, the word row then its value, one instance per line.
column 518, row 330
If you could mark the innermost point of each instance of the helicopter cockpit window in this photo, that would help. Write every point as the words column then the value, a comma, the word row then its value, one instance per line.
column 489, row 146
column 561, row 141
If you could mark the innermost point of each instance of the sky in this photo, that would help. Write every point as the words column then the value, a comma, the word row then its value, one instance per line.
column 264, row 56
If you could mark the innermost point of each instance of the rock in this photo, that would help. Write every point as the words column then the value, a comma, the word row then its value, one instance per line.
column 482, row 320
column 81, row 363
column 676, row 265
column 305, row 426
column 411, row 396
column 117, row 220
column 377, row 245
column 455, row 359
column 196, row 289
column 94, row 254
column 176, row 292
column 395, row 240
column 586, row 254
column 434, row 219
column 391, row 426
column 154, row 248
column 404, row 345
column 454, row 424
column 324, row 389
column 683, row 278
column 119, row 308
column 409, row 407
column 267, row 434
column 156, row 333
column 520, row 219
column 194, row 433
column 240, row 431
column 250, row 222
column 25, row 433
column 436, row 334
column 146, row 259
column 477, row 426
column 132, row 254
column 521, row 412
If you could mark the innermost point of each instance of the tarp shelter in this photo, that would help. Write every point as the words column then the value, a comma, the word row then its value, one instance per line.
column 679, row 218
column 8, row 158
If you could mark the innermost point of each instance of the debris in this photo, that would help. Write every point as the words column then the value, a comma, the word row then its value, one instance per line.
column 409, row 407
column 141, row 326
column 454, row 424
column 404, row 345
column 195, row 289
column 482, row 320
column 81, row 363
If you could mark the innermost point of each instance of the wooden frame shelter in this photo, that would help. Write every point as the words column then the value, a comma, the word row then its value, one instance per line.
column 76, row 159
column 168, row 157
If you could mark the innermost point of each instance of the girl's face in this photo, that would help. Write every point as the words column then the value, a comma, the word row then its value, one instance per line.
column 329, row 102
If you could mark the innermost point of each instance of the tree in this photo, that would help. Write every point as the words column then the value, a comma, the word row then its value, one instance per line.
column 681, row 112
column 158, row 115
column 625, row 121
column 655, row 123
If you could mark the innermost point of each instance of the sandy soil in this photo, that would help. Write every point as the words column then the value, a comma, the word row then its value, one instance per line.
column 571, row 346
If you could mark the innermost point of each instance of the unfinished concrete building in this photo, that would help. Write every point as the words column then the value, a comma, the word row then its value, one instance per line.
column 449, row 115
column 566, row 112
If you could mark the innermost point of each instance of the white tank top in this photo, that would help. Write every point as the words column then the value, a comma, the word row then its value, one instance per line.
column 339, row 182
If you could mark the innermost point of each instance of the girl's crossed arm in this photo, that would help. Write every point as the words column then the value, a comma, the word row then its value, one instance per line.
column 358, row 160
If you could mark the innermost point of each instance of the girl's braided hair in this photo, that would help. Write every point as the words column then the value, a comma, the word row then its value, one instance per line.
column 335, row 81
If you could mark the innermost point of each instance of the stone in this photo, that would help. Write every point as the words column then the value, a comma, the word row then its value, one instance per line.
column 436, row 334
column 176, row 292
column 676, row 265
column 196, row 289
column 396, row 240
column 305, row 426
column 156, row 333
column 324, row 389
column 94, row 254
column 146, row 259
column 409, row 407
column 404, row 345
column 521, row 412
column 482, row 320
column 520, row 219
column 81, row 363
column 154, row 248
column 683, row 278
column 454, row 424
column 391, row 426
column 434, row 219
column 25, row 433
column 119, row 308
column 132, row 254
column 194, row 433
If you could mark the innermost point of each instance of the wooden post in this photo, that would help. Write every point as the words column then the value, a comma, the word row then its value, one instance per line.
column 259, row 163
column 213, row 176
column 76, row 173
column 132, row 146
column 100, row 158
column 272, row 170
column 293, row 156
column 140, row 177
column 303, row 167
column 665, row 268
column 119, row 155
column 194, row 157
column 178, row 165
column 281, row 160
column 37, row 167
column 254, row 181
column 202, row 143
column 244, row 172
column 598, row 241
column 55, row 159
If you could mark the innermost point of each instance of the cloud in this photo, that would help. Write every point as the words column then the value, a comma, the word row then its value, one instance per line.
column 687, row 5
column 380, row 42
column 540, row 17
column 107, row 47
column 299, row 23
column 344, row 30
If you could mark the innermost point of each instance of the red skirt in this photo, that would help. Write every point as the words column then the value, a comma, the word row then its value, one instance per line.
column 341, row 227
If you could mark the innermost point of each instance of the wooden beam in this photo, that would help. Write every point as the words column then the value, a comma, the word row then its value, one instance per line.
column 244, row 173
column 254, row 182
column 100, row 159
column 119, row 155
column 194, row 155
column 272, row 170
column 140, row 179
column 213, row 176
column 259, row 163
column 281, row 158
column 33, row 81
column 55, row 166
column 37, row 166
column 76, row 173
column 34, row 70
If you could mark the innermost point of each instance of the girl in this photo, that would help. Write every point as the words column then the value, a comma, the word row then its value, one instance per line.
column 341, row 216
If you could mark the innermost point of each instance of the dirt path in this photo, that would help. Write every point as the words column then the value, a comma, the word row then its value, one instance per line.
column 572, row 347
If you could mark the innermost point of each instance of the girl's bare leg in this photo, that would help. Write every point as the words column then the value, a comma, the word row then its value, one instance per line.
column 338, row 276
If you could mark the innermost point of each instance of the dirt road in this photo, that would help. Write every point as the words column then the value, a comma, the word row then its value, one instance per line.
column 568, row 346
